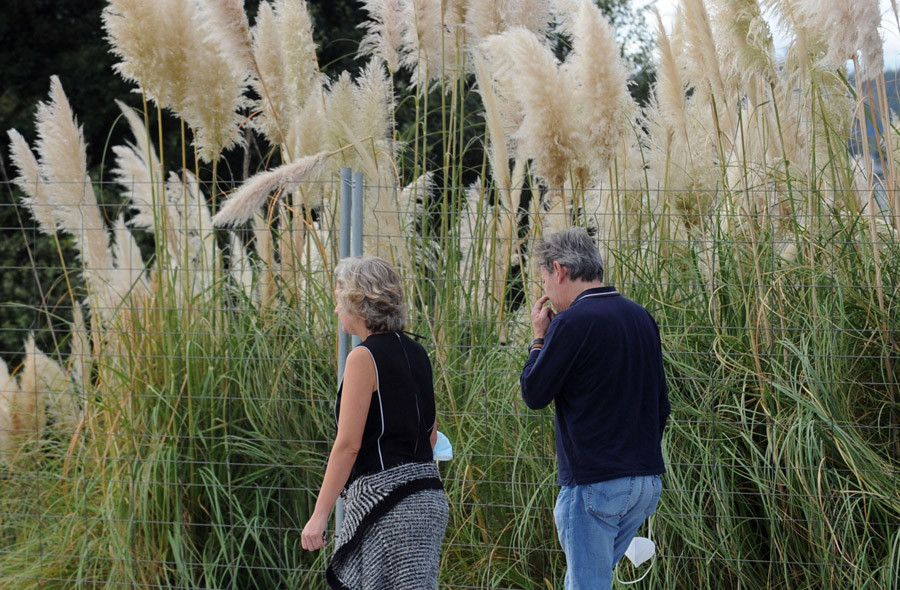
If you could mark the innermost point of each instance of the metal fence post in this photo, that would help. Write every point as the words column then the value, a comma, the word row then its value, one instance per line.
column 356, row 224
column 343, row 341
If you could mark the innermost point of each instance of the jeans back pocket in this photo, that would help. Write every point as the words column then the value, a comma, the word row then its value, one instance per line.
column 610, row 499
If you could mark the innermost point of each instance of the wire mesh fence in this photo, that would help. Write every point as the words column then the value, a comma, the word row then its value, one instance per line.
column 168, row 387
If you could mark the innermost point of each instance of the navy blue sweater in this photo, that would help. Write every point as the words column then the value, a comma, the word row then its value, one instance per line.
column 602, row 366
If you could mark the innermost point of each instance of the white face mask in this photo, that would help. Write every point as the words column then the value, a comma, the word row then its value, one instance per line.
column 640, row 550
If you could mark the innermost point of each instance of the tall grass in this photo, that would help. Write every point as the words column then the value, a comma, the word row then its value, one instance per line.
column 201, row 385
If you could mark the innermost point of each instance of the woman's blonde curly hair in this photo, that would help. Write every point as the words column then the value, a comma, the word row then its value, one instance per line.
column 369, row 287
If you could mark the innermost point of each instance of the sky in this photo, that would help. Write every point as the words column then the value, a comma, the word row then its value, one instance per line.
column 889, row 33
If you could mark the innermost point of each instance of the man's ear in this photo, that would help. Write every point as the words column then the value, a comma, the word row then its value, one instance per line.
column 560, row 271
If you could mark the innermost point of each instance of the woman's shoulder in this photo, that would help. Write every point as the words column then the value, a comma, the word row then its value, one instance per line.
column 360, row 356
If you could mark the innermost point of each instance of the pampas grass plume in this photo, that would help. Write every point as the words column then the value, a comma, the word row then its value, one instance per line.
column 704, row 71
column 9, row 390
column 46, row 381
column 81, row 356
column 384, row 31
column 490, row 17
column 749, row 49
column 340, row 111
column 423, row 39
column 548, row 133
column 24, row 400
column 601, row 87
column 191, row 75
column 241, row 268
column 298, row 49
column 127, row 255
column 139, row 172
column 229, row 27
column 63, row 165
column 32, row 184
column 309, row 135
column 250, row 197
column 483, row 19
column 137, row 29
column 497, row 153
column 274, row 100
column 374, row 104
column 268, row 289
column 670, row 87
column 849, row 26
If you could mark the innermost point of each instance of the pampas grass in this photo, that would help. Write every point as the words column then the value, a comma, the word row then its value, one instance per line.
column 340, row 114
column 127, row 257
column 374, row 107
column 704, row 69
column 193, row 77
column 176, row 211
column 139, row 172
column 575, row 116
column 241, row 269
column 246, row 201
column 289, row 84
column 423, row 40
column 498, row 155
column 32, row 184
column 63, row 167
column 605, row 108
column 201, row 409
column 9, row 420
column 670, row 103
column 52, row 389
column 547, row 135
column 228, row 26
column 490, row 17
column 850, row 27
column 749, row 51
column 39, row 392
column 298, row 48
column 265, row 248
column 81, row 353
column 384, row 31
column 275, row 103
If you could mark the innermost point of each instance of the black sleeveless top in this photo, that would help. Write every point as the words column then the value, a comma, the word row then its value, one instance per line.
column 402, row 412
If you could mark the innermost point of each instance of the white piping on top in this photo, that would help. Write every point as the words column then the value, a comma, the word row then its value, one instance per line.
column 380, row 406
column 592, row 295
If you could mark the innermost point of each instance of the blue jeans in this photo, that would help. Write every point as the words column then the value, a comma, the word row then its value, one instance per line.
column 596, row 523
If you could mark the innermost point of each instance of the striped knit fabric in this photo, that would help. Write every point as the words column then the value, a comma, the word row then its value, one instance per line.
column 394, row 522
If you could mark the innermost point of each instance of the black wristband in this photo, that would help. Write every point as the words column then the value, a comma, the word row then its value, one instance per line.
column 535, row 342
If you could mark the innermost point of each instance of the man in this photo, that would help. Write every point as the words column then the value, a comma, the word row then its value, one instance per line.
column 598, row 357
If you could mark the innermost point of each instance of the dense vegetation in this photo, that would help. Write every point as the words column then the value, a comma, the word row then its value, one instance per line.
column 173, row 430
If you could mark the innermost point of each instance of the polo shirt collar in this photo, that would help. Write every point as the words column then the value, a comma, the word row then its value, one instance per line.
column 606, row 290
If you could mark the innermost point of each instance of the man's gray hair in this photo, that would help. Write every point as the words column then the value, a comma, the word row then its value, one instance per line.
column 574, row 249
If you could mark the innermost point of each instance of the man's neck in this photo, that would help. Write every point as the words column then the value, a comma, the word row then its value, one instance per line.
column 576, row 288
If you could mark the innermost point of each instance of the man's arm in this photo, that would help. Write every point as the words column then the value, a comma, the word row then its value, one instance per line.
column 664, row 407
column 546, row 368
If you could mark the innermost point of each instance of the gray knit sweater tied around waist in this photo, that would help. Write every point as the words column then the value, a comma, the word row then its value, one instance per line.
column 394, row 522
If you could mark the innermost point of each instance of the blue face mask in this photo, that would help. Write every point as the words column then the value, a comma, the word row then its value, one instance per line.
column 443, row 450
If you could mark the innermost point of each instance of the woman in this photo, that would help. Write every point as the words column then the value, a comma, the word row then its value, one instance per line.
column 395, row 508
